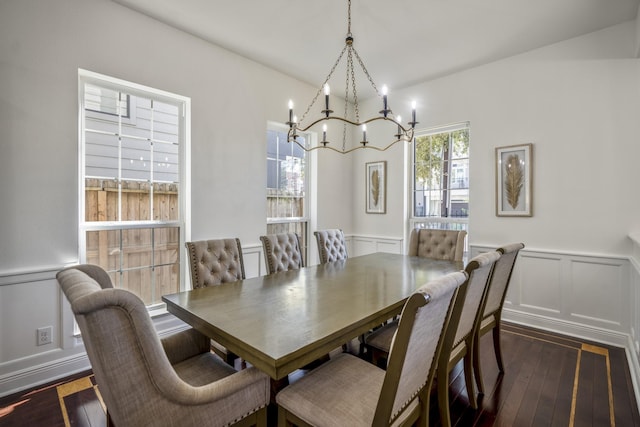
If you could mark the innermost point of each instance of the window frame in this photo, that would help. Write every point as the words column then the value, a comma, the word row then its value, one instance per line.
column 440, row 222
column 307, row 203
column 184, row 163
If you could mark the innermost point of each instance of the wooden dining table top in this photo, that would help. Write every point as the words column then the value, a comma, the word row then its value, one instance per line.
column 283, row 321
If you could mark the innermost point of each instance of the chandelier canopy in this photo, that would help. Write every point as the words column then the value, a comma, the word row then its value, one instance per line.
column 351, row 116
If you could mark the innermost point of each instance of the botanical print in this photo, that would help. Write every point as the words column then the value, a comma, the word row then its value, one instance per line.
column 514, row 179
column 375, row 186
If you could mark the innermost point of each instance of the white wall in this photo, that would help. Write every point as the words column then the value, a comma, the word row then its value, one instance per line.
column 42, row 45
column 578, row 102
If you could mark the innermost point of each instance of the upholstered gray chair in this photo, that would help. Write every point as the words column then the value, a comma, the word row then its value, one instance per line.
column 282, row 252
column 492, row 315
column 437, row 244
column 331, row 245
column 213, row 262
column 347, row 391
column 176, row 381
column 458, row 341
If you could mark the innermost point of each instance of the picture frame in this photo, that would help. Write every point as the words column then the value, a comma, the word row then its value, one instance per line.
column 514, row 166
column 376, row 187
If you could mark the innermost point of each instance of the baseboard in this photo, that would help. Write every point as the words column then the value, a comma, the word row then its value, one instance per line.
column 42, row 374
column 578, row 330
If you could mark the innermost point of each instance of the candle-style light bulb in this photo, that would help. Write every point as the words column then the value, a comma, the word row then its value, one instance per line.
column 290, row 111
column 399, row 120
column 295, row 119
column 413, row 113
column 327, row 90
column 384, row 99
column 324, row 132
column 364, row 133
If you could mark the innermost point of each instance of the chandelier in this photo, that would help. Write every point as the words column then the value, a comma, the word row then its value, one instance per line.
column 296, row 126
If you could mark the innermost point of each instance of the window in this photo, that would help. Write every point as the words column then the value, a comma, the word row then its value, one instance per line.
column 132, row 184
column 287, row 172
column 441, row 178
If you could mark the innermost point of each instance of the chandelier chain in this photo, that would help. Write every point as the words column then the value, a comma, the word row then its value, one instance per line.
column 366, row 73
column 326, row 80
column 349, row 19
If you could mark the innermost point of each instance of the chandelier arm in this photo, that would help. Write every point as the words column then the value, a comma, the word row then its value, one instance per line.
column 360, row 147
column 351, row 122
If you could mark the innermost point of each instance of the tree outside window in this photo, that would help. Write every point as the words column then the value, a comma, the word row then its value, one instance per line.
column 441, row 174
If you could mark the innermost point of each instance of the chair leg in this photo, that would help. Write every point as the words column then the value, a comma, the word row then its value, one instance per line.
column 477, row 371
column 496, row 346
column 282, row 417
column 442, row 384
column 468, row 378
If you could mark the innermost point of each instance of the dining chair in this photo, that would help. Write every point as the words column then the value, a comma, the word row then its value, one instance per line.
column 490, row 320
column 331, row 245
column 437, row 244
column 282, row 252
column 348, row 391
column 214, row 262
column 458, row 341
column 145, row 380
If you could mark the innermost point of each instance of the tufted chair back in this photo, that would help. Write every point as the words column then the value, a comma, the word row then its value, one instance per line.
column 282, row 252
column 331, row 245
column 215, row 261
column 437, row 244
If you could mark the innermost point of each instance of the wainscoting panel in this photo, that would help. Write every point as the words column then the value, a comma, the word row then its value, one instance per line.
column 575, row 294
column 27, row 302
column 537, row 283
column 596, row 292
column 363, row 245
column 253, row 261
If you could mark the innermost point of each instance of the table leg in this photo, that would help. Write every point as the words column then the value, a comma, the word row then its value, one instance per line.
column 272, row 409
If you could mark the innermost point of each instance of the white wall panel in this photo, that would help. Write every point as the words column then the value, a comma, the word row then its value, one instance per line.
column 595, row 292
column 576, row 294
column 253, row 261
column 27, row 302
column 363, row 245
column 539, row 287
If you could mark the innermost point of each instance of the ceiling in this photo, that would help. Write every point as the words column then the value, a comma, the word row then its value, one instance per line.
column 400, row 42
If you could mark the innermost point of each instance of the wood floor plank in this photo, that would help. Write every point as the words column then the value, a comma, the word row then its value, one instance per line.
column 514, row 398
column 564, row 394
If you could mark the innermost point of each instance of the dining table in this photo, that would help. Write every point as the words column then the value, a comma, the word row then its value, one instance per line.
column 283, row 321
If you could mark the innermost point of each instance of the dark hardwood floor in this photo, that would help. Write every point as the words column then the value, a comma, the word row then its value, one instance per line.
column 550, row 380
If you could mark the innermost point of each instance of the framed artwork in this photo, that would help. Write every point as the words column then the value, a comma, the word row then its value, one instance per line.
column 376, row 187
column 514, row 166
